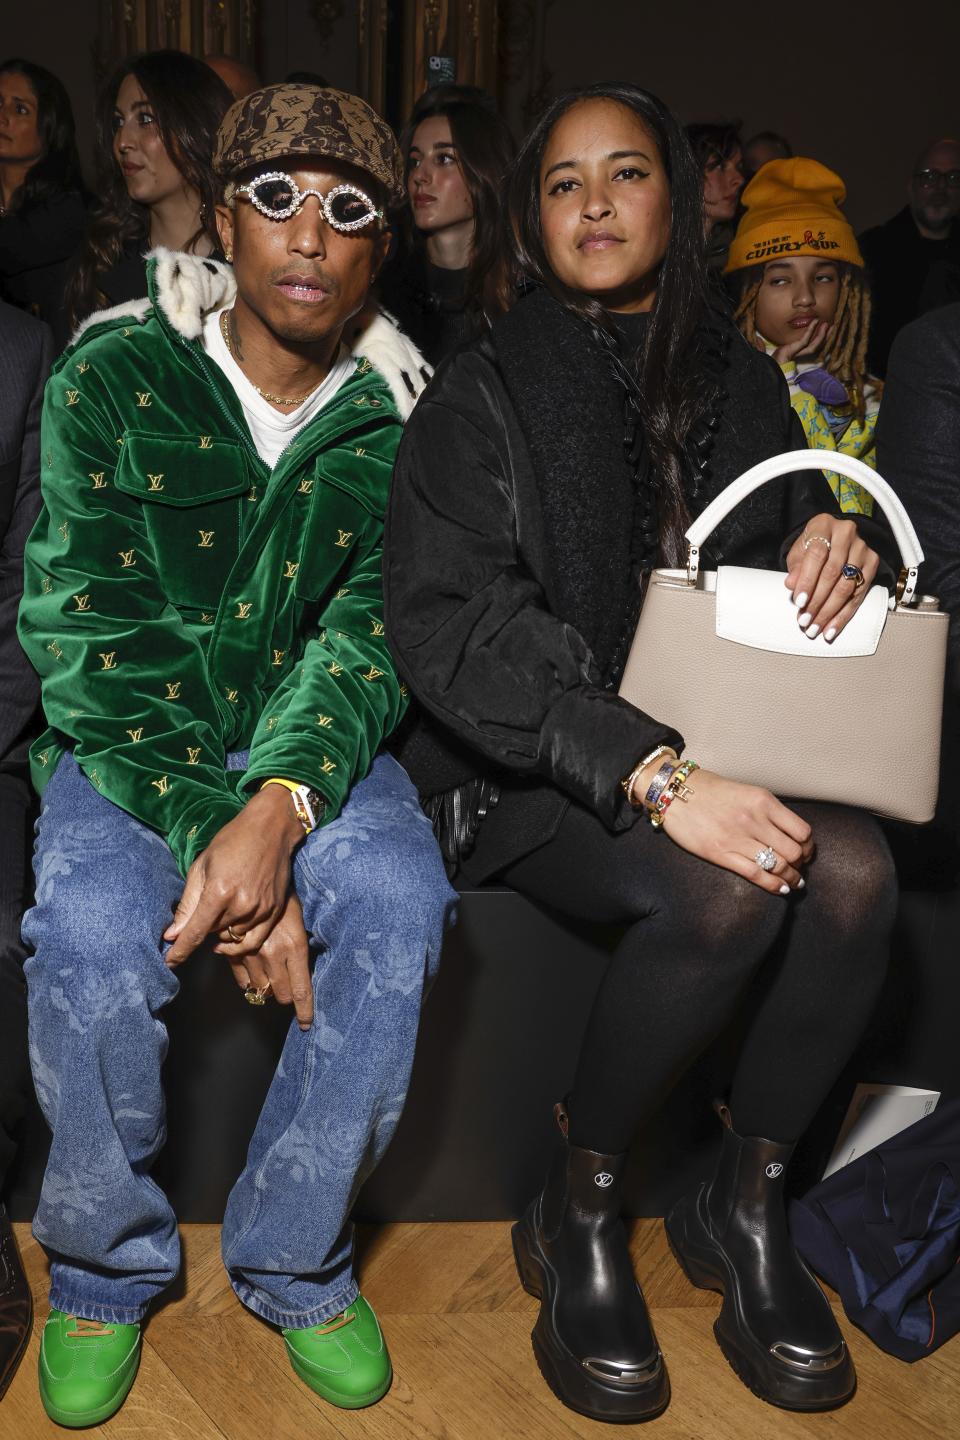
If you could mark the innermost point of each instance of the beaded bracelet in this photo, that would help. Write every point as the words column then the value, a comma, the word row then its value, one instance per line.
column 676, row 789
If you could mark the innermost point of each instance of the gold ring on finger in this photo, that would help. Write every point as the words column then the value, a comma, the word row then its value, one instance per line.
column 854, row 573
column 809, row 540
column 233, row 935
column 256, row 994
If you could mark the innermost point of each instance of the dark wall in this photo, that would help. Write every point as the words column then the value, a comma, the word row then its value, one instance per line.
column 859, row 87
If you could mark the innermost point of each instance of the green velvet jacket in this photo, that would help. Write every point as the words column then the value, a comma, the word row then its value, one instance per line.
column 183, row 601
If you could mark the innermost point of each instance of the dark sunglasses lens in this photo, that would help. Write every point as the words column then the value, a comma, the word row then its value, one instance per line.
column 274, row 195
column 350, row 208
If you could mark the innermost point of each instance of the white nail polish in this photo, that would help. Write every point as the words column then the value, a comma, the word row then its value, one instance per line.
column 830, row 634
column 801, row 883
column 784, row 889
column 804, row 619
column 801, row 599
column 813, row 631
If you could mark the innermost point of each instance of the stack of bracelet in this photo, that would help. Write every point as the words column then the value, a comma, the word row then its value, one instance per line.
column 667, row 785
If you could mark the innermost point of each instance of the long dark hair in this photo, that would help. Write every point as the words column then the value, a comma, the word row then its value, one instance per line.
column 485, row 151
column 58, row 169
column 713, row 141
column 671, row 389
column 188, row 101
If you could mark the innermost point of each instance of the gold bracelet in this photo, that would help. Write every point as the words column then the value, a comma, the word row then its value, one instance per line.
column 631, row 780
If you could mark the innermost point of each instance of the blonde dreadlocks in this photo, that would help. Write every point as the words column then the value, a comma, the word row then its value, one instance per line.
column 845, row 353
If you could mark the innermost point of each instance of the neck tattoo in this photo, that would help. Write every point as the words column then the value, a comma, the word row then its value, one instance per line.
column 233, row 346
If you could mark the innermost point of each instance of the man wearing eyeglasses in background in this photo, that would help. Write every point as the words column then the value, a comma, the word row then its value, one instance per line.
column 203, row 603
column 914, row 259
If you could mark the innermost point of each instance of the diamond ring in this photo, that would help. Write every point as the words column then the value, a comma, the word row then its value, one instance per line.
column 766, row 858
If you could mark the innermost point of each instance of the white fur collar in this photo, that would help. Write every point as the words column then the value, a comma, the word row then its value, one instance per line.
column 189, row 286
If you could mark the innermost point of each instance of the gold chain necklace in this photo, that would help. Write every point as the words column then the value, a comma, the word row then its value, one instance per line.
column 265, row 394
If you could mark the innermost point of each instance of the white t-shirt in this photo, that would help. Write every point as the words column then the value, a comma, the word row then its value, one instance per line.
column 271, row 430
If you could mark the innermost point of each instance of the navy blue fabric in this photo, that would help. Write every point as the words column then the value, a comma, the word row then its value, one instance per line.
column 884, row 1231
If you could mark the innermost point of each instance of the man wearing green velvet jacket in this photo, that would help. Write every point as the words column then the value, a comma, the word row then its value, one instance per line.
column 203, row 605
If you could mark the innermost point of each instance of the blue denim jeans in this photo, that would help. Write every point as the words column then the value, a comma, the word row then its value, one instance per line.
column 375, row 900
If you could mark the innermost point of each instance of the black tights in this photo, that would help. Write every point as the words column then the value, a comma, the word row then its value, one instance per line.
column 695, row 938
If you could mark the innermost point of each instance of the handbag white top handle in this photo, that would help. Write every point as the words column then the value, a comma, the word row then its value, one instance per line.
column 778, row 465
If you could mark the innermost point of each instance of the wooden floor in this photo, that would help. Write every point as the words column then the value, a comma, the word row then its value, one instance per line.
column 458, row 1326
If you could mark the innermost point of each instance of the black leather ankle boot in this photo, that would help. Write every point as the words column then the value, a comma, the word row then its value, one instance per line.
column 775, row 1327
column 593, row 1339
column 16, row 1304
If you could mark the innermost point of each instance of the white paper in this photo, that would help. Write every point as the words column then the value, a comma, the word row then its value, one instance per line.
column 875, row 1114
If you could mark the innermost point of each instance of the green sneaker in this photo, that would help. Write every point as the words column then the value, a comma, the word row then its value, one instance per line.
column 86, row 1369
column 344, row 1360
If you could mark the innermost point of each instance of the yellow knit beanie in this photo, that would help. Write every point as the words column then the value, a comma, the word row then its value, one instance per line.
column 792, row 208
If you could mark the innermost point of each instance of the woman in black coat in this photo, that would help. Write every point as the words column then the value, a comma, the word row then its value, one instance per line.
column 543, row 474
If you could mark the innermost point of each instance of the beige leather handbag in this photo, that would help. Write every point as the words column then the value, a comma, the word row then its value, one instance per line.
column 719, row 654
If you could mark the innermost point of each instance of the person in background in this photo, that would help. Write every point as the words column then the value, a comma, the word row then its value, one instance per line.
column 239, row 77
column 546, row 469
column 718, row 152
column 451, row 278
column 765, row 145
column 157, row 122
column 804, row 298
column 913, row 260
column 26, row 351
column 42, row 195
column 918, row 451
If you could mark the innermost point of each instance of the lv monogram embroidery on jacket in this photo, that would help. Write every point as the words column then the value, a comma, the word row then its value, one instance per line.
column 242, row 685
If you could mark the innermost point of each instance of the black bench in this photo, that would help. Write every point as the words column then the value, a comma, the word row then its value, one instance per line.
column 499, row 1036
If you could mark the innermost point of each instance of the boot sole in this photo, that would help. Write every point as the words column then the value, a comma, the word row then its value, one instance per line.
column 747, row 1358
column 561, row 1370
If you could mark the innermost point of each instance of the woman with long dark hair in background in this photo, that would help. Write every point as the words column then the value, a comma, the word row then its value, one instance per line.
column 157, row 122
column 42, row 196
column 545, row 471
column 451, row 277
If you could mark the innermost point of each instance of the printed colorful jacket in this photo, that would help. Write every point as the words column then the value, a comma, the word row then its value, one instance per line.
column 831, row 427
column 182, row 601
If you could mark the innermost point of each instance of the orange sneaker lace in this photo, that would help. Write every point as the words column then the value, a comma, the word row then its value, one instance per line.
column 336, row 1324
column 85, row 1328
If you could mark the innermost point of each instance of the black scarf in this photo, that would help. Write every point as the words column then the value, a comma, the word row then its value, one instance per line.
column 595, row 483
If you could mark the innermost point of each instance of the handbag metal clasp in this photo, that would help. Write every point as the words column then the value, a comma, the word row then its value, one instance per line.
column 693, row 564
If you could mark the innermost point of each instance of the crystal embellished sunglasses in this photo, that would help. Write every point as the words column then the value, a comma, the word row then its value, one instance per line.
column 278, row 196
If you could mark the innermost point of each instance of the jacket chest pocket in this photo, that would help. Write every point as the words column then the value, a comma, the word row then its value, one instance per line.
column 192, row 495
column 331, row 531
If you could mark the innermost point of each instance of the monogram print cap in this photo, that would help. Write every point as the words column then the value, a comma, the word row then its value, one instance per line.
column 288, row 120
